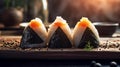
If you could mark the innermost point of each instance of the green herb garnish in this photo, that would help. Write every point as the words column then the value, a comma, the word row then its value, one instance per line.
column 88, row 46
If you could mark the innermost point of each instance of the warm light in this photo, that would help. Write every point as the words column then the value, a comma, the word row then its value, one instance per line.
column 23, row 24
column 44, row 4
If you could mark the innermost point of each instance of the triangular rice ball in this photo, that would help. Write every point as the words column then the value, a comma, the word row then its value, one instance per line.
column 85, row 34
column 34, row 35
column 59, row 34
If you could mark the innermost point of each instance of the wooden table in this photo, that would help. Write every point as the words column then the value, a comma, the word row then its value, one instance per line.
column 70, row 53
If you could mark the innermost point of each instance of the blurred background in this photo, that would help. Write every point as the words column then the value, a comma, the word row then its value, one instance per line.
column 14, row 12
column 95, row 10
column 47, row 10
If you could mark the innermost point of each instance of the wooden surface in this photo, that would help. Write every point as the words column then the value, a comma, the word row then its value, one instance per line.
column 70, row 53
column 59, row 54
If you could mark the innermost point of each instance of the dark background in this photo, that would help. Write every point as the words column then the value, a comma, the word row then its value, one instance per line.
column 71, row 10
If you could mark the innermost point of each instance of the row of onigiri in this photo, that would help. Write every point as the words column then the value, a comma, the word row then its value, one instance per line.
column 59, row 35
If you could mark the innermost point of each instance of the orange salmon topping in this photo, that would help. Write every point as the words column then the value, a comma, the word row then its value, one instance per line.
column 34, row 23
column 84, row 22
column 58, row 24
